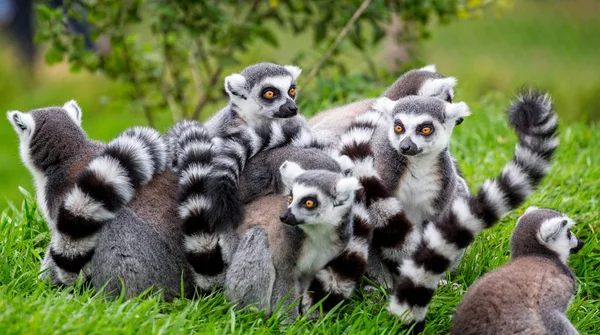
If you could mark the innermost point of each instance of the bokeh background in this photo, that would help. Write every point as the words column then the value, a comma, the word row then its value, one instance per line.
column 553, row 44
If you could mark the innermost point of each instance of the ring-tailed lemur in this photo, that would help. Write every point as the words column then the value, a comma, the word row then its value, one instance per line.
column 210, row 206
column 273, row 258
column 258, row 94
column 328, row 125
column 413, row 158
column 531, row 293
column 89, row 194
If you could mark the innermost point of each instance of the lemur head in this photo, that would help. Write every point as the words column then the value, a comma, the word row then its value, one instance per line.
column 48, row 136
column 421, row 125
column 541, row 231
column 316, row 196
column 426, row 82
column 264, row 91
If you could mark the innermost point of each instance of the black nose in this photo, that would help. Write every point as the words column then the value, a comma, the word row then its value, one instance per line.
column 288, row 218
column 459, row 121
column 293, row 109
column 578, row 247
column 405, row 147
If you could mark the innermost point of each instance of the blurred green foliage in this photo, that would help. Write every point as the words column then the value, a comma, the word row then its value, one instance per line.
column 172, row 54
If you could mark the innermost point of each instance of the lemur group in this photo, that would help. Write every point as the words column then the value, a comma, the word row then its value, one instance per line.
column 285, row 213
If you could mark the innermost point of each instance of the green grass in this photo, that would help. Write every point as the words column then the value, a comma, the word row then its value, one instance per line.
column 482, row 145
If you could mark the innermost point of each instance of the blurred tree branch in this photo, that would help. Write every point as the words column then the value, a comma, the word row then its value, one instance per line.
column 170, row 55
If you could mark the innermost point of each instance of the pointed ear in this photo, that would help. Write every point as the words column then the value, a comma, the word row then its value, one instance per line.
column 294, row 70
column 439, row 87
column 345, row 163
column 428, row 68
column 22, row 122
column 235, row 85
column 345, row 188
column 384, row 105
column 458, row 110
column 289, row 171
column 531, row 209
column 73, row 110
column 550, row 228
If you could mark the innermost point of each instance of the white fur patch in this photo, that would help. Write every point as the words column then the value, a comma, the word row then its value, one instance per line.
column 495, row 197
column 419, row 275
column 207, row 283
column 320, row 246
column 457, row 110
column 435, row 241
column 194, row 172
column 303, row 139
column 335, row 284
column 465, row 217
column 277, row 136
column 406, row 312
column 197, row 147
column 365, row 168
column 82, row 205
column 140, row 154
column 518, row 178
column 384, row 105
column 289, row 172
column 293, row 70
column 552, row 234
column 235, row 83
column 74, row 111
column 437, row 86
column 429, row 68
column 357, row 135
column 110, row 172
column 200, row 243
column 194, row 204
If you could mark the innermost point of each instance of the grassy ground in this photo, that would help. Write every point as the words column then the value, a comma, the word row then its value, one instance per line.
column 482, row 145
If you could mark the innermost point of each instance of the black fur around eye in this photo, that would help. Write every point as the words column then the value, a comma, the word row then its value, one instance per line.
column 309, row 202
column 426, row 129
column 269, row 93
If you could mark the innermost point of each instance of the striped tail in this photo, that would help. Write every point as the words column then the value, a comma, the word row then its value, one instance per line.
column 210, row 207
column 101, row 190
column 340, row 277
column 535, row 123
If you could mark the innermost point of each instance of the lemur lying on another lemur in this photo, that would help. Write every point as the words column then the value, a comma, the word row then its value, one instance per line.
column 531, row 293
column 99, row 202
column 328, row 125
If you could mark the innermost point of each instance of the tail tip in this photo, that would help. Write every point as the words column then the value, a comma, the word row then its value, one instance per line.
column 532, row 107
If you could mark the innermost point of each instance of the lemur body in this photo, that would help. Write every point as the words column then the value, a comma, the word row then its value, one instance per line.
column 531, row 293
column 414, row 161
column 275, row 259
column 86, row 191
column 328, row 125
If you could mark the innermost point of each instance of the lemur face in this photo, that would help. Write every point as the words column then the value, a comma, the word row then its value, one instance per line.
column 421, row 126
column 547, row 228
column 316, row 196
column 555, row 233
column 264, row 91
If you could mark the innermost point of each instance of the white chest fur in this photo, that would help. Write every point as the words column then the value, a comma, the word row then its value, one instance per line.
column 419, row 187
column 321, row 245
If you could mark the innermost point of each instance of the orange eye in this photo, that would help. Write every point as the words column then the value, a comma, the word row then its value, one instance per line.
column 269, row 94
column 426, row 130
column 290, row 199
column 398, row 129
column 309, row 204
column 292, row 91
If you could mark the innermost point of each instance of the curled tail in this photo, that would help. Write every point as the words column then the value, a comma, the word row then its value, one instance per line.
column 101, row 190
column 340, row 277
column 210, row 207
column 535, row 123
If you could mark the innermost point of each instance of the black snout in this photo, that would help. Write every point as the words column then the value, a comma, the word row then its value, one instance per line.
column 288, row 218
column 578, row 247
column 288, row 109
column 408, row 147
column 459, row 121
